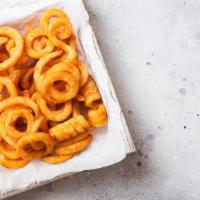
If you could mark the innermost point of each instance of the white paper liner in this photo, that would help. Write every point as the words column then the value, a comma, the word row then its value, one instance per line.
column 110, row 144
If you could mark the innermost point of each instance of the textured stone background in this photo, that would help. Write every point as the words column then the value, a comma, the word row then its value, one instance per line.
column 151, row 48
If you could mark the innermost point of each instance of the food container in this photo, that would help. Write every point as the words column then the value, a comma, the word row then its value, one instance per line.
column 112, row 143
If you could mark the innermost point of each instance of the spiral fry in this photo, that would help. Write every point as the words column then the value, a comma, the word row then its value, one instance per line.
column 26, row 150
column 97, row 117
column 90, row 93
column 13, row 163
column 9, row 85
column 54, row 115
column 33, row 46
column 17, row 52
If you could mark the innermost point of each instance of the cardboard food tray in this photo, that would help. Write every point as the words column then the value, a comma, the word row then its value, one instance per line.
column 114, row 139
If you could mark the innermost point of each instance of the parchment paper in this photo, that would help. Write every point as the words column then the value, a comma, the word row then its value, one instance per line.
column 110, row 144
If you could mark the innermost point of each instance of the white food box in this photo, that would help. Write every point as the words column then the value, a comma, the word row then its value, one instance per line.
column 112, row 143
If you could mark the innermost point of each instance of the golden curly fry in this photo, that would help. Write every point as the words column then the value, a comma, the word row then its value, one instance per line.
column 58, row 27
column 40, row 67
column 55, row 159
column 33, row 46
column 55, row 14
column 74, row 147
column 24, row 60
column 8, row 151
column 72, row 86
column 26, row 150
column 10, row 117
column 17, row 52
column 70, row 128
column 56, row 114
column 9, row 85
column 90, row 93
column 97, row 117
column 47, row 82
column 17, row 101
column 13, row 163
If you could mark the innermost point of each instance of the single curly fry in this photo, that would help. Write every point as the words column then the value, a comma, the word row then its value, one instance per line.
column 24, row 60
column 10, row 119
column 8, row 151
column 70, row 128
column 17, row 52
column 54, row 115
column 12, row 163
column 75, row 147
column 97, row 117
column 26, row 150
column 90, row 93
column 17, row 101
column 9, row 85
column 54, row 14
column 41, row 65
column 39, row 51
column 55, row 159
column 72, row 86
column 70, row 52
column 59, row 27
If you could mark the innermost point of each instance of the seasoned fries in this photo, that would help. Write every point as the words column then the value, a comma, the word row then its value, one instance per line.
column 48, row 101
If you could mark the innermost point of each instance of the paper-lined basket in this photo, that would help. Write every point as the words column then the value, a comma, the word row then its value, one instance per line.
column 111, row 144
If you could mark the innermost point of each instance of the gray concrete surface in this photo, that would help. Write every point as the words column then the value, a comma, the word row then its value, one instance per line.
column 151, row 49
